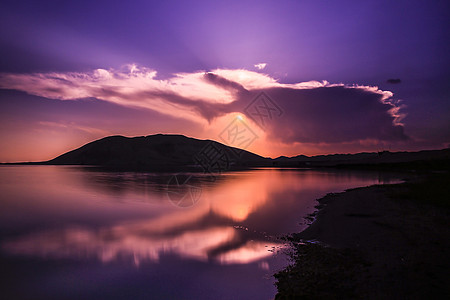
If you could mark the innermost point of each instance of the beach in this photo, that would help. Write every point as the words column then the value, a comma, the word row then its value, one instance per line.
column 377, row 242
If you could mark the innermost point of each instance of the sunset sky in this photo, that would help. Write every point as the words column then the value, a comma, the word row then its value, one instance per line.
column 337, row 77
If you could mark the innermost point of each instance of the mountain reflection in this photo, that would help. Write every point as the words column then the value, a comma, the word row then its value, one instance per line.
column 235, row 221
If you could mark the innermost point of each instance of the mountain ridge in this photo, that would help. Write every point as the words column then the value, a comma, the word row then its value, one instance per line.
column 175, row 152
column 159, row 151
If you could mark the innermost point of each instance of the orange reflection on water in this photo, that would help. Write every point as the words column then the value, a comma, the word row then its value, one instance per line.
column 233, row 222
column 109, row 244
column 238, row 197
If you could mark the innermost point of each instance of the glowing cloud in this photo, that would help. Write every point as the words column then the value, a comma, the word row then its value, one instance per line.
column 314, row 112
column 260, row 66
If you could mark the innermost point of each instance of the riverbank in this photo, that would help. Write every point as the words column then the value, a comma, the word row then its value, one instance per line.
column 377, row 242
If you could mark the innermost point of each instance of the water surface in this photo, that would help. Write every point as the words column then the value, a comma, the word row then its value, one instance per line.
column 80, row 233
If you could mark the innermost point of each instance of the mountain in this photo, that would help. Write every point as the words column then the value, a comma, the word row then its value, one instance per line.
column 158, row 152
column 434, row 159
column 164, row 152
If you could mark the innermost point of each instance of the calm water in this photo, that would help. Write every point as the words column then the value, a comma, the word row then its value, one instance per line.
column 78, row 233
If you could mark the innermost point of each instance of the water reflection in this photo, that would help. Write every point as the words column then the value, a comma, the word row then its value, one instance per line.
column 135, row 243
column 236, row 220
column 59, row 221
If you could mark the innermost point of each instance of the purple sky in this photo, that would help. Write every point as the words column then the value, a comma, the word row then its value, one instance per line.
column 53, row 96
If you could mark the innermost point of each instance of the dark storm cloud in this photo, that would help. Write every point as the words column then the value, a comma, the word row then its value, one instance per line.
column 325, row 114
column 394, row 81
column 332, row 115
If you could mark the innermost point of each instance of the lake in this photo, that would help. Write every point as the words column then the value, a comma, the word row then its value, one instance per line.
column 71, row 232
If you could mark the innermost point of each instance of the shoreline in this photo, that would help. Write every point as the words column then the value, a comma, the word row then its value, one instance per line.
column 376, row 242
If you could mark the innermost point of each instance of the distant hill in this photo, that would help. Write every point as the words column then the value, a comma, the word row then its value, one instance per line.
column 158, row 152
column 435, row 159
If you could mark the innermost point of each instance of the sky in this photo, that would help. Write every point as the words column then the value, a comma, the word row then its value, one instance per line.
column 273, row 77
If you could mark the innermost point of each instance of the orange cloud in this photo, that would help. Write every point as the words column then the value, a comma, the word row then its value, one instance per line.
column 313, row 112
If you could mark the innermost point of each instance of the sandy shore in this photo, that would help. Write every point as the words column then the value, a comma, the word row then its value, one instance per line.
column 378, row 242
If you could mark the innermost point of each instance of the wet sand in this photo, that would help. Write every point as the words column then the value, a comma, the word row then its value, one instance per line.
column 378, row 242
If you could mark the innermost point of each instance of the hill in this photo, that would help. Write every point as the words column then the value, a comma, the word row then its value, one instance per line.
column 166, row 152
column 425, row 159
column 158, row 152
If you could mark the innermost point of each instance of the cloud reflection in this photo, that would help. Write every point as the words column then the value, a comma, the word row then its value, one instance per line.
column 129, row 242
column 235, row 221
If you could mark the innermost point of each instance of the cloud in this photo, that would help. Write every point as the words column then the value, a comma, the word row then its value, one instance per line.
column 72, row 126
column 310, row 112
column 334, row 114
column 394, row 81
column 183, row 96
column 260, row 66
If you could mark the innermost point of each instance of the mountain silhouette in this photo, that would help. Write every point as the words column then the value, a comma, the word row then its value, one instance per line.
column 158, row 152
column 170, row 152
